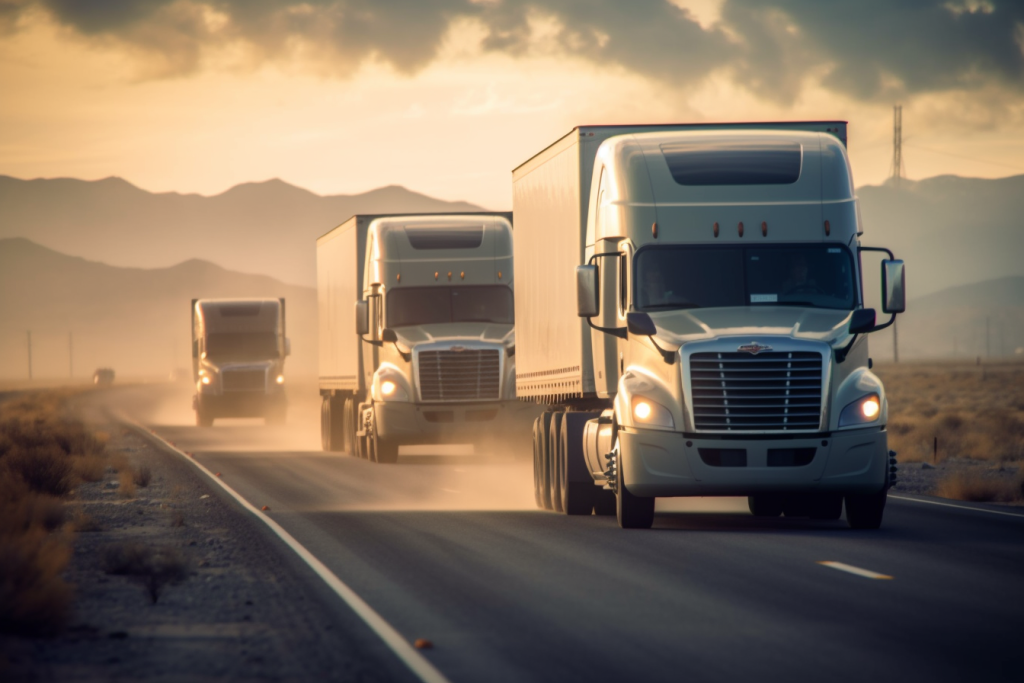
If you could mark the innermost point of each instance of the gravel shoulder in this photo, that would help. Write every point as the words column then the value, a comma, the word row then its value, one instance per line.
column 247, row 609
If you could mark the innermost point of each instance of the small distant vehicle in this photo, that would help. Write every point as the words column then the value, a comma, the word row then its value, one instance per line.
column 103, row 377
column 238, row 352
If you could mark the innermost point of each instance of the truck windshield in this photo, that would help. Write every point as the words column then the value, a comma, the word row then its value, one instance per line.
column 425, row 305
column 241, row 346
column 819, row 276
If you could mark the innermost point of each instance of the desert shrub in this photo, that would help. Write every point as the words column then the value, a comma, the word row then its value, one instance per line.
column 978, row 488
column 90, row 467
column 126, row 487
column 143, row 475
column 154, row 567
column 44, row 468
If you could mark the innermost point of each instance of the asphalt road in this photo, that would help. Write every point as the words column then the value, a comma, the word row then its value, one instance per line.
column 447, row 546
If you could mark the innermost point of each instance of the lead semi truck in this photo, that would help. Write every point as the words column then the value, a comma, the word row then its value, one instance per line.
column 417, row 338
column 690, row 312
column 238, row 352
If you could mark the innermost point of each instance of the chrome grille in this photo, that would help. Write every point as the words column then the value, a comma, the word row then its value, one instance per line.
column 770, row 391
column 244, row 380
column 472, row 374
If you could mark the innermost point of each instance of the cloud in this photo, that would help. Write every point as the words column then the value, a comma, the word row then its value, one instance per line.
column 867, row 49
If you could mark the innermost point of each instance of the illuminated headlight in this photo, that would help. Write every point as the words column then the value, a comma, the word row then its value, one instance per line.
column 280, row 379
column 205, row 379
column 391, row 390
column 647, row 413
column 387, row 388
column 861, row 411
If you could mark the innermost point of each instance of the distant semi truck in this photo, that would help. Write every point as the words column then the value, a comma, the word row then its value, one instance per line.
column 417, row 340
column 689, row 308
column 238, row 352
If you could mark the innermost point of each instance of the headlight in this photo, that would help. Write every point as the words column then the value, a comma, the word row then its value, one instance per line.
column 205, row 379
column 387, row 388
column 861, row 411
column 647, row 413
column 391, row 389
column 280, row 379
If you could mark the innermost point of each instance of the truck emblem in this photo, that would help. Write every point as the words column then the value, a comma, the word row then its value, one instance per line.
column 754, row 348
column 457, row 349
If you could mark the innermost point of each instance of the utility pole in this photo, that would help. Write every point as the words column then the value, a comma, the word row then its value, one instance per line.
column 988, row 336
column 897, row 144
column 30, row 354
column 71, row 355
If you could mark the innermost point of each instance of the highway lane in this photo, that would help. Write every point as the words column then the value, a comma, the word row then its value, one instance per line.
column 448, row 547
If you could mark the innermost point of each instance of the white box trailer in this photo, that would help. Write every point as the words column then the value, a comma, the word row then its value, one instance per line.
column 417, row 342
column 667, row 321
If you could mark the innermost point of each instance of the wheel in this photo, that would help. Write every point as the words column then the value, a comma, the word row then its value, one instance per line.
column 203, row 418
column 604, row 502
column 765, row 505
column 348, row 426
column 537, row 479
column 577, row 496
column 385, row 451
column 330, row 424
column 796, row 505
column 541, row 472
column 634, row 512
column 865, row 511
column 555, row 457
column 324, row 403
column 826, row 506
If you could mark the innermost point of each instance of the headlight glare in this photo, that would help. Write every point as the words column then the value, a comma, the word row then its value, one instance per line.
column 206, row 379
column 387, row 387
column 280, row 379
column 864, row 410
column 647, row 413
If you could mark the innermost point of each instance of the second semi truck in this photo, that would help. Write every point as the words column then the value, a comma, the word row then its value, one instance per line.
column 417, row 340
column 690, row 310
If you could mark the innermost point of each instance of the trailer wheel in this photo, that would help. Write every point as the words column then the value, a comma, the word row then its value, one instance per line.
column 537, row 430
column 348, row 427
column 577, row 496
column 633, row 512
column 865, row 512
column 323, row 423
column 555, row 458
column 765, row 505
column 540, row 461
column 330, row 423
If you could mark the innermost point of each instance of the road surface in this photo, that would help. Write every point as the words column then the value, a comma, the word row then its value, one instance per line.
column 447, row 545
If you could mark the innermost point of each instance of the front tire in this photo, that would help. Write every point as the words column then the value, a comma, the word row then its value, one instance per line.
column 633, row 512
column 865, row 511
column 765, row 505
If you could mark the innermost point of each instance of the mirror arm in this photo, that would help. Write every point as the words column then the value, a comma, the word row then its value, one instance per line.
column 890, row 321
column 372, row 342
column 619, row 332
column 406, row 355
column 666, row 355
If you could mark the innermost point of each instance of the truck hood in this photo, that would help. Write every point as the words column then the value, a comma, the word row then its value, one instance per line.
column 826, row 325
column 485, row 332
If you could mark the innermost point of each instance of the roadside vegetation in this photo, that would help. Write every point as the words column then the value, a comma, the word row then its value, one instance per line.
column 961, row 413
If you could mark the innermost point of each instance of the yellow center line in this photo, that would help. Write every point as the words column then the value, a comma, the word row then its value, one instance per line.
column 850, row 569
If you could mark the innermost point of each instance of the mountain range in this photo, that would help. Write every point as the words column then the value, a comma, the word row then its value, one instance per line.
column 269, row 227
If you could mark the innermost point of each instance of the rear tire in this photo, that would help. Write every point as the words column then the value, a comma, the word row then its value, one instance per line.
column 865, row 512
column 765, row 505
column 555, row 462
column 826, row 506
column 577, row 496
column 348, row 427
column 541, row 472
column 605, row 503
column 537, row 431
column 633, row 512
column 330, row 425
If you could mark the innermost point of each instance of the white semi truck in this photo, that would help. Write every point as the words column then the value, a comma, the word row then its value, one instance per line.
column 690, row 310
column 238, row 352
column 428, row 354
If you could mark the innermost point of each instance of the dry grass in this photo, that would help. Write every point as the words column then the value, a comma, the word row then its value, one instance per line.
column 44, row 454
column 977, row 487
column 126, row 480
column 143, row 475
column 154, row 567
column 974, row 412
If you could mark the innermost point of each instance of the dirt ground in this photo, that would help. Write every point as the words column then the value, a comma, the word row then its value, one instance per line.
column 234, row 607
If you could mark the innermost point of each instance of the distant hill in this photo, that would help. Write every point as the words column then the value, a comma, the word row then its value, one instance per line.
column 269, row 227
column 950, row 230
column 131, row 319
column 952, row 323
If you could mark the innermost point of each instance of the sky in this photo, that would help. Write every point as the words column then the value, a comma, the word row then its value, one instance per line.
column 446, row 97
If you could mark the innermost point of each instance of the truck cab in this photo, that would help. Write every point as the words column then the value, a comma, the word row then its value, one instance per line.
column 726, row 328
column 435, row 320
column 238, row 352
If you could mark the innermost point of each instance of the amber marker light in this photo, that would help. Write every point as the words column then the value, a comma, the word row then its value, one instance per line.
column 870, row 407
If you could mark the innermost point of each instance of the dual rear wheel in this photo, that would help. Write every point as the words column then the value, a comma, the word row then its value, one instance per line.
column 557, row 482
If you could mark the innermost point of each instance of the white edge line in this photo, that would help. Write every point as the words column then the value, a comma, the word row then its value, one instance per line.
column 392, row 638
column 959, row 507
column 850, row 569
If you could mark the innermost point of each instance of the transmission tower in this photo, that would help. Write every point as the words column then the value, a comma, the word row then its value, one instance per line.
column 897, row 144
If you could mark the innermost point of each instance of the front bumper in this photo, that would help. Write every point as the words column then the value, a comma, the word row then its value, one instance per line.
column 412, row 423
column 666, row 464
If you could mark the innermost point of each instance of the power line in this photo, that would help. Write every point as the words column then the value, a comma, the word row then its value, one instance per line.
column 969, row 158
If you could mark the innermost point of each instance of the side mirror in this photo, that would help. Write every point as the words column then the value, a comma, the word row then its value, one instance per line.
column 894, row 286
column 362, row 318
column 287, row 346
column 862, row 321
column 587, row 303
column 388, row 335
column 639, row 323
